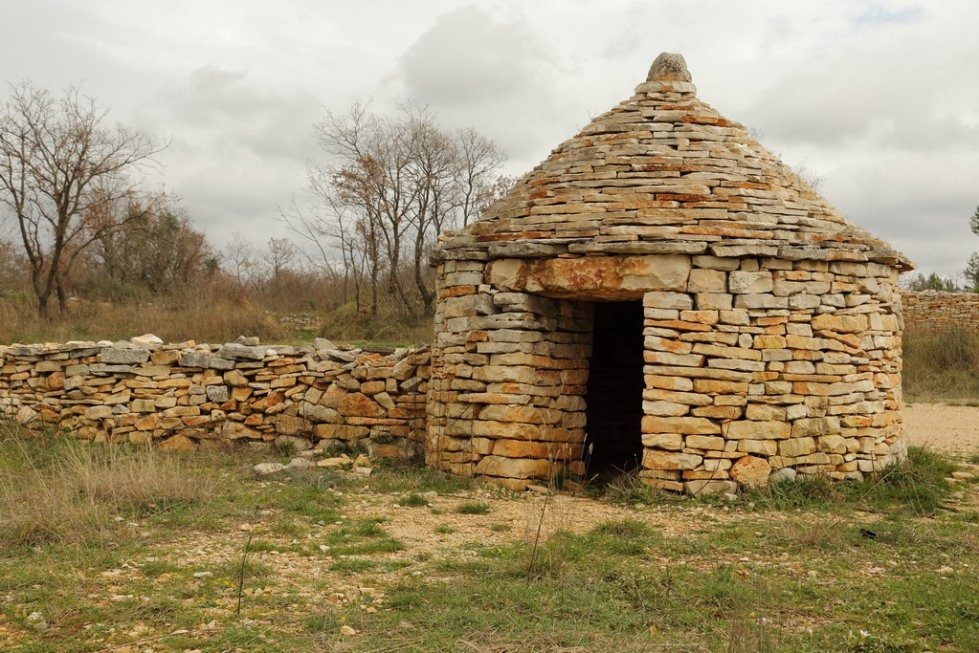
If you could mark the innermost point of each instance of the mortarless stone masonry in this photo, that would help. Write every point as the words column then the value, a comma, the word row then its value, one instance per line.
column 187, row 396
column 772, row 326
column 933, row 312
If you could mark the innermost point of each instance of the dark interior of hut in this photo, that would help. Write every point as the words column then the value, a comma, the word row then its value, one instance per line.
column 615, row 385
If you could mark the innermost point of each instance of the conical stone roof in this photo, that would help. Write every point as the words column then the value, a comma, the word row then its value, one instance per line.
column 664, row 172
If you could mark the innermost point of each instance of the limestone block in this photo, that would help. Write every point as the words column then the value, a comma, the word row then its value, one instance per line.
column 763, row 447
column 741, row 282
column 765, row 412
column 667, row 358
column 704, row 442
column 684, row 425
column 235, row 378
column 716, row 301
column 815, row 426
column 218, row 393
column 715, row 386
column 667, row 300
column 718, row 412
column 340, row 431
column 178, row 443
column 761, row 301
column 600, row 277
column 320, row 413
column 192, row 358
column 671, row 441
column 541, row 450
column 707, row 281
column 668, row 382
column 653, row 459
column 507, row 274
column 664, row 408
column 794, row 447
column 751, row 471
column 98, row 412
column 119, row 356
column 840, row 323
column 757, row 430
column 705, row 487
column 143, row 406
column 521, row 468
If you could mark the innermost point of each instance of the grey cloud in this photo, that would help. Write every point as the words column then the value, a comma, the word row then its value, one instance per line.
column 481, row 72
column 924, row 215
column 467, row 57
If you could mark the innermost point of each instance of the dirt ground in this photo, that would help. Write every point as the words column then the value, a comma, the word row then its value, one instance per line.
column 949, row 429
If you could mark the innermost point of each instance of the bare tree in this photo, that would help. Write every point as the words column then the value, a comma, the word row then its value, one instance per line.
column 240, row 254
column 278, row 257
column 60, row 166
column 393, row 185
column 481, row 161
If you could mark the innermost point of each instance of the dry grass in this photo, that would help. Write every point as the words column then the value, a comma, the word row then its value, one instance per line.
column 204, row 319
column 58, row 489
column 218, row 321
column 941, row 366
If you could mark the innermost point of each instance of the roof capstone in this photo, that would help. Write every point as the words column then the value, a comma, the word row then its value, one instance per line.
column 669, row 66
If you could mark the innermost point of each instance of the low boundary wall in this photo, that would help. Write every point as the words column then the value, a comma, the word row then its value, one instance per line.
column 187, row 396
column 932, row 312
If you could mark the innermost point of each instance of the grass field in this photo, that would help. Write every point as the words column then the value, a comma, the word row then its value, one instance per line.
column 131, row 550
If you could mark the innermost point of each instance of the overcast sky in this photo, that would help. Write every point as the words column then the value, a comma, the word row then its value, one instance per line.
column 878, row 99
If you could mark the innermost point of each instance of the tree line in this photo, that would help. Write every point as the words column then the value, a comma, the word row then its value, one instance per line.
column 969, row 277
column 80, row 220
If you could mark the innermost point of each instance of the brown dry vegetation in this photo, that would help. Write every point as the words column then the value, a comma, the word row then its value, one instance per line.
column 941, row 367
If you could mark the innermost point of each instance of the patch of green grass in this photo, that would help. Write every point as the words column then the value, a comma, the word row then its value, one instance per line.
column 473, row 508
column 918, row 485
column 629, row 489
column 353, row 565
column 413, row 500
column 444, row 529
column 411, row 477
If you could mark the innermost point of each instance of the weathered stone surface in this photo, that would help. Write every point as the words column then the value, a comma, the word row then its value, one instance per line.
column 652, row 459
column 785, row 474
column 796, row 447
column 267, row 469
column 515, row 467
column 686, row 425
column 841, row 323
column 751, row 471
column 752, row 430
column 671, row 441
column 180, row 443
column 114, row 356
column 235, row 351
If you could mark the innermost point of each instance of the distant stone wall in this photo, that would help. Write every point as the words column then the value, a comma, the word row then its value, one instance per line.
column 187, row 396
column 932, row 312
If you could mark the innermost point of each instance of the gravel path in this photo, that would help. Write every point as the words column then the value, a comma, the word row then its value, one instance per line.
column 950, row 429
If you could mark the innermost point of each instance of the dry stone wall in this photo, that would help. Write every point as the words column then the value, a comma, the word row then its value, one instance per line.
column 933, row 312
column 186, row 396
column 754, row 366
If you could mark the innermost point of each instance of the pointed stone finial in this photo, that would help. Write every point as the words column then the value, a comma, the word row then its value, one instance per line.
column 669, row 66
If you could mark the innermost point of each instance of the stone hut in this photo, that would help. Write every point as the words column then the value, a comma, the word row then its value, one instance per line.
column 663, row 293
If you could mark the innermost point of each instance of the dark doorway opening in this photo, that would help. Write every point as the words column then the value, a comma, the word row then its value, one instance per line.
column 615, row 385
